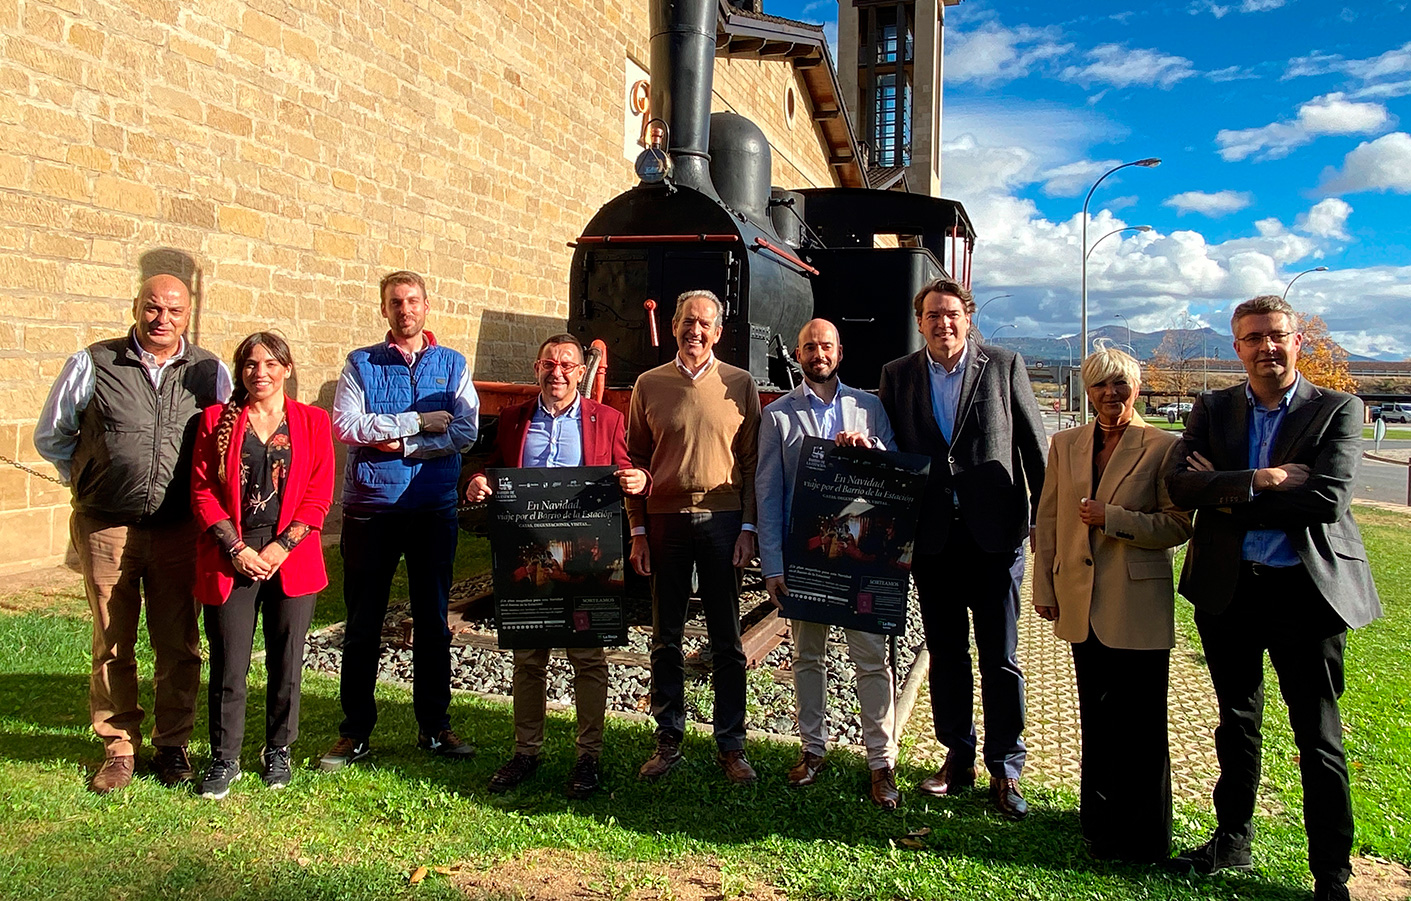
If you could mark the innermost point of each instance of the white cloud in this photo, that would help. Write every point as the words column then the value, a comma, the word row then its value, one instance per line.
column 1230, row 73
column 1384, row 75
column 1219, row 10
column 1326, row 219
column 1220, row 203
column 1380, row 165
column 1121, row 67
column 1072, row 179
column 1330, row 114
column 993, row 52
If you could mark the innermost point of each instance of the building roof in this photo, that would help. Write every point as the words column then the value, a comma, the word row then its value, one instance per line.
column 887, row 178
column 745, row 34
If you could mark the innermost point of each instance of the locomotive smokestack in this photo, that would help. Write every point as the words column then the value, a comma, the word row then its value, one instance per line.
column 683, row 68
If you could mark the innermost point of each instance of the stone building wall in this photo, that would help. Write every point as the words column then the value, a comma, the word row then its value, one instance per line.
column 286, row 153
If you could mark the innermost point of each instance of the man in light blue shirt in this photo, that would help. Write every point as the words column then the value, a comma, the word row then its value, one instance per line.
column 823, row 407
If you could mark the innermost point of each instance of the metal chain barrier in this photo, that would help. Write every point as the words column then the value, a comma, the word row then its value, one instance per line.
column 34, row 472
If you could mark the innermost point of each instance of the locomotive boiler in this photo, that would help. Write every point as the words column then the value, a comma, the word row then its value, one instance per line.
column 706, row 216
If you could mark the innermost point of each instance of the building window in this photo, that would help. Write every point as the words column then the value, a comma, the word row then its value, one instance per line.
column 791, row 103
column 886, row 51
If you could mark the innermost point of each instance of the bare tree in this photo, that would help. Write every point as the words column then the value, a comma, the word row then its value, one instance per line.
column 1176, row 367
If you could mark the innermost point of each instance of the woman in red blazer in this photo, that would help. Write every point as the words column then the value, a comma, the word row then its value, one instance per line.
column 261, row 485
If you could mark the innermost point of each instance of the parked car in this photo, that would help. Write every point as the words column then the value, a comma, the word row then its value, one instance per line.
column 1374, row 412
column 1396, row 412
column 1177, row 408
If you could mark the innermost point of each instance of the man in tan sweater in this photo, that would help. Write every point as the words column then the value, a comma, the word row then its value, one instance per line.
column 693, row 424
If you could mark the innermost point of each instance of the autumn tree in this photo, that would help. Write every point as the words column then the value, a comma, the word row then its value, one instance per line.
column 1176, row 367
column 1322, row 361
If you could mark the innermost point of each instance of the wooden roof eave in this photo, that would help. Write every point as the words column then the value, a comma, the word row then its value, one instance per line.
column 745, row 35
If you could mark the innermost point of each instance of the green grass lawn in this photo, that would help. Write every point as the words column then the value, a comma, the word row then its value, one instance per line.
column 359, row 833
column 1393, row 433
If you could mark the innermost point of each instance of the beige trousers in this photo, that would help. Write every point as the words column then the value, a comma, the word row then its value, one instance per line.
column 121, row 564
column 590, row 697
column 876, row 690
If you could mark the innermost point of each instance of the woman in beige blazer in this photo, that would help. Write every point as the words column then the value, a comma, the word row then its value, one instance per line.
column 1103, row 576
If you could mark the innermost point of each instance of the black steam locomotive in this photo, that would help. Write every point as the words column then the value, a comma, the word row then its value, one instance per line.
column 705, row 216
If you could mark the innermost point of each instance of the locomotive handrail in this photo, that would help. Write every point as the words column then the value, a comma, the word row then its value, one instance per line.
column 654, row 239
column 784, row 255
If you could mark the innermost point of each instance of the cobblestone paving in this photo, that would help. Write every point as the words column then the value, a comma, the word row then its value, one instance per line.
column 1053, row 736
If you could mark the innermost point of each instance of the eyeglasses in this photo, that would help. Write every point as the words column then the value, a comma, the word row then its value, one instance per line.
column 1257, row 339
column 566, row 366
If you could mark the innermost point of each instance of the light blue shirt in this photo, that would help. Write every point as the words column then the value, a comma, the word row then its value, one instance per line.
column 1270, row 547
column 828, row 417
column 945, row 391
column 555, row 440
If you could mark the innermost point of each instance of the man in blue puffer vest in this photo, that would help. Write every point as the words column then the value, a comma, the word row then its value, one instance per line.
column 407, row 410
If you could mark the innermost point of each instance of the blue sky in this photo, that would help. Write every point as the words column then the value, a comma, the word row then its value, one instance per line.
column 1284, row 127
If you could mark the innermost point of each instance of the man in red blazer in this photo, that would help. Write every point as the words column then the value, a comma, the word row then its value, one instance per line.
column 559, row 427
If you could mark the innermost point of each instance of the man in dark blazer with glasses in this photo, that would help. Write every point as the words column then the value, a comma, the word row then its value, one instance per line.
column 1276, row 564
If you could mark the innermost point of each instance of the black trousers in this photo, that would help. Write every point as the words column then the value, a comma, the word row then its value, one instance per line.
column 230, row 631
column 372, row 546
column 1126, row 770
column 705, row 543
column 963, row 579
column 1281, row 611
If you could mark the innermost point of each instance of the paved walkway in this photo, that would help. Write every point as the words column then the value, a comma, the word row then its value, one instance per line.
column 1053, row 736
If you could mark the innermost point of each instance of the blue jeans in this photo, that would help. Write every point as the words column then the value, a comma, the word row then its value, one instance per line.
column 372, row 545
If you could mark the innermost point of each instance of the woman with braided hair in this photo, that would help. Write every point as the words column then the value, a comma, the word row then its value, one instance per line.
column 262, row 482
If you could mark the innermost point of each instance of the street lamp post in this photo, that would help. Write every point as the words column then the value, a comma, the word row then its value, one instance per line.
column 1128, row 324
column 998, row 330
column 1069, row 375
column 982, row 309
column 1116, row 231
column 1145, row 164
column 1301, row 275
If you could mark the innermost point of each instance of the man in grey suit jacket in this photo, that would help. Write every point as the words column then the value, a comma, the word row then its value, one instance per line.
column 824, row 408
column 1276, row 564
column 971, row 408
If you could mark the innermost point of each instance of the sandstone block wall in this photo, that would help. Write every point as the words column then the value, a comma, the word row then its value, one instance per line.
column 286, row 153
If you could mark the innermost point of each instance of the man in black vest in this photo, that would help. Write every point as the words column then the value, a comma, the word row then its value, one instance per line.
column 118, row 427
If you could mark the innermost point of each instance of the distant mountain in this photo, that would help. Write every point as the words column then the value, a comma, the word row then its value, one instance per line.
column 1205, row 343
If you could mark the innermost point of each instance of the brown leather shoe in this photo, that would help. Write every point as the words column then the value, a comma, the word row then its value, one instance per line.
column 948, row 780
column 1008, row 798
column 806, row 771
column 172, row 765
column 667, row 756
column 884, row 788
column 115, row 773
column 737, row 768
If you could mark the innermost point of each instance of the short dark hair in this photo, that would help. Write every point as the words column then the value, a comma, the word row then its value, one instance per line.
column 944, row 285
column 1263, row 305
column 563, row 338
column 400, row 277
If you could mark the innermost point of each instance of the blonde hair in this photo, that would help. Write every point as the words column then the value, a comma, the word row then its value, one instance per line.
column 1107, row 361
